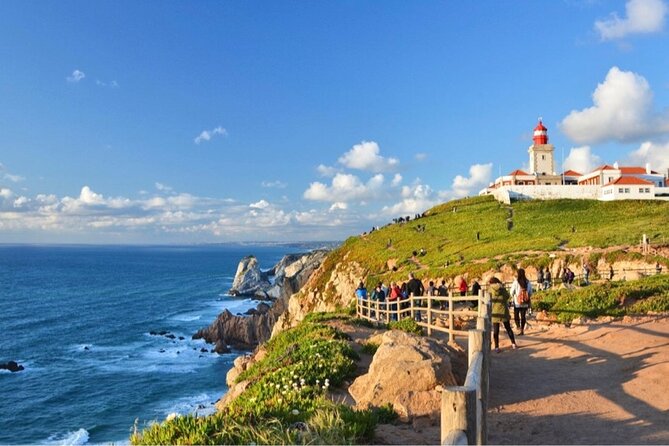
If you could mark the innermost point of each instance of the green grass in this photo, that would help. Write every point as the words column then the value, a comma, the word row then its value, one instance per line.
column 450, row 237
column 286, row 401
column 650, row 294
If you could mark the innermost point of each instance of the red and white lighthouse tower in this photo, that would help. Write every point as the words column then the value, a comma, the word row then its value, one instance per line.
column 541, row 156
column 540, row 134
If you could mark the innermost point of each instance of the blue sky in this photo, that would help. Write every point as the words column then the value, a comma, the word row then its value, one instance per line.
column 189, row 122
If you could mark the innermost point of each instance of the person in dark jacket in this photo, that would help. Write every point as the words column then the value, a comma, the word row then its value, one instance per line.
column 415, row 288
column 500, row 312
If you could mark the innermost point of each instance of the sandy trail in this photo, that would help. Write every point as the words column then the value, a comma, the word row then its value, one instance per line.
column 600, row 383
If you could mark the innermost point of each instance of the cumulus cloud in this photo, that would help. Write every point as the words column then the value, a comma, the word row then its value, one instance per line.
column 657, row 155
column 206, row 135
column 415, row 199
column 338, row 206
column 397, row 179
column 326, row 171
column 76, row 76
column 479, row 177
column 581, row 159
column 262, row 204
column 641, row 17
column 365, row 156
column 622, row 110
column 345, row 187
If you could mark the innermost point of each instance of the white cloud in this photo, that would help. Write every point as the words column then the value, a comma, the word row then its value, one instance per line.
column 365, row 156
column 163, row 187
column 345, row 187
column 397, row 179
column 479, row 177
column 622, row 110
column 338, row 206
column 76, row 76
column 6, row 175
column 581, row 159
column 657, row 155
column 326, row 171
column 642, row 16
column 262, row 204
column 415, row 200
column 421, row 156
column 274, row 184
column 206, row 135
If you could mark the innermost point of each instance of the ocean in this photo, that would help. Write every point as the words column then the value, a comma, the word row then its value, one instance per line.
column 78, row 318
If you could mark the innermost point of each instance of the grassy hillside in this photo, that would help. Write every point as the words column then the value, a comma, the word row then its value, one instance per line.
column 450, row 234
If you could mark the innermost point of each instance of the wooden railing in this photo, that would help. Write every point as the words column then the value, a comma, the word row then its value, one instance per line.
column 463, row 408
column 426, row 310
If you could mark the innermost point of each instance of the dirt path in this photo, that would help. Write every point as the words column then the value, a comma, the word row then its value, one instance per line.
column 602, row 383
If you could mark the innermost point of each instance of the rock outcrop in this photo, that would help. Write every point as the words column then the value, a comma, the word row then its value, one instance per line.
column 247, row 331
column 339, row 292
column 12, row 366
column 405, row 372
column 249, row 279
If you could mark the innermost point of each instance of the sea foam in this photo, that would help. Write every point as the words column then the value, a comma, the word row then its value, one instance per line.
column 77, row 437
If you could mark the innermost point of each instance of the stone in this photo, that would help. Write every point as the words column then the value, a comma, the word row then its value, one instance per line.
column 221, row 347
column 12, row 366
column 249, row 279
column 404, row 372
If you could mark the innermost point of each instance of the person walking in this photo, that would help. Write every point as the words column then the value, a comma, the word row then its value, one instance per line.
column 463, row 287
column 521, row 292
column 540, row 278
column 415, row 288
column 500, row 312
column 361, row 294
column 395, row 296
column 548, row 278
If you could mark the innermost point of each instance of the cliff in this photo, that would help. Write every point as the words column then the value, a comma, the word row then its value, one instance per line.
column 247, row 331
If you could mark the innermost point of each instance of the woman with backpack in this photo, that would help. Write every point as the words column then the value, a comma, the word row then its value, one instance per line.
column 500, row 312
column 521, row 292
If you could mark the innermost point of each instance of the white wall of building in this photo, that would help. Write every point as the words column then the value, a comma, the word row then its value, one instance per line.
column 627, row 192
column 546, row 192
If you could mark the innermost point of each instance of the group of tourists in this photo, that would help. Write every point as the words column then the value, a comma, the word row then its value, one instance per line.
column 517, row 297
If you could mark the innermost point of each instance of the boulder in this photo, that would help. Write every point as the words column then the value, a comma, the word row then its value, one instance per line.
column 12, row 366
column 405, row 371
column 249, row 279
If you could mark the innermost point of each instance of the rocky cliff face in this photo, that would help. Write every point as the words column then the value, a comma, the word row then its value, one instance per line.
column 339, row 292
column 247, row 331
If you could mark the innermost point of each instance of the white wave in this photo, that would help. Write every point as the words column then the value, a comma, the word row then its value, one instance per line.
column 199, row 405
column 78, row 437
column 187, row 317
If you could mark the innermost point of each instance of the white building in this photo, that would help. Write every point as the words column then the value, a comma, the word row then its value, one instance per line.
column 604, row 183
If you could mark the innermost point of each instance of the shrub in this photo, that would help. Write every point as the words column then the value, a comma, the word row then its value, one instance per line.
column 409, row 325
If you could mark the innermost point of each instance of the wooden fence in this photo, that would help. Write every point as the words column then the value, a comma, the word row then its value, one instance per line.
column 463, row 408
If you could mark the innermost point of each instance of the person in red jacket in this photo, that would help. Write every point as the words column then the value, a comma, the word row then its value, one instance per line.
column 463, row 287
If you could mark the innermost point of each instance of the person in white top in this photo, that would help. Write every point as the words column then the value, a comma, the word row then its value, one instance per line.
column 521, row 292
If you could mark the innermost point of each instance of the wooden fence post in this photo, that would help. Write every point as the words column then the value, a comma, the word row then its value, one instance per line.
column 429, row 315
column 451, row 318
column 458, row 412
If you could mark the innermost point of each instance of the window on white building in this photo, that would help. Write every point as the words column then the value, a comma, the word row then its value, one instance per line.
column 627, row 190
column 620, row 190
column 647, row 190
column 641, row 190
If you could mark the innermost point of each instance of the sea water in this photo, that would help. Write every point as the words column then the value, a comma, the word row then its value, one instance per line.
column 78, row 318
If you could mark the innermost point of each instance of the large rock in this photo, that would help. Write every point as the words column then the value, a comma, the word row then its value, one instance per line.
column 247, row 331
column 12, row 366
column 249, row 279
column 405, row 371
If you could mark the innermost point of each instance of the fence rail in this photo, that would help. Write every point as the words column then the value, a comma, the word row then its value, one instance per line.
column 463, row 408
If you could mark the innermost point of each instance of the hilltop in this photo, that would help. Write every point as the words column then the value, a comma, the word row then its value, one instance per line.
column 475, row 237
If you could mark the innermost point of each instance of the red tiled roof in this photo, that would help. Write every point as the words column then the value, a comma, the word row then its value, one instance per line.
column 630, row 181
column 632, row 170
column 517, row 172
column 604, row 167
column 571, row 173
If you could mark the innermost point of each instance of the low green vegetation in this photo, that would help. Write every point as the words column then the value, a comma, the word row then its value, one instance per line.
column 650, row 294
column 286, row 401
column 409, row 325
column 448, row 236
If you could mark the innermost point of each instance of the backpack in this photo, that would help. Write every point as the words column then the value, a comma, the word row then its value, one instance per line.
column 523, row 297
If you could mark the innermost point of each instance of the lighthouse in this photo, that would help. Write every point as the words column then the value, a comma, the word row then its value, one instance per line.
column 542, row 163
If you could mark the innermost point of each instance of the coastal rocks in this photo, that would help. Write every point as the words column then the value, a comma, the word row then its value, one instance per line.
column 338, row 292
column 243, row 332
column 247, row 331
column 405, row 372
column 249, row 279
column 12, row 366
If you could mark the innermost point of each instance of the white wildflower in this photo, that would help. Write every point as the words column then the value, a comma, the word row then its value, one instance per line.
column 171, row 416
column 295, row 412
